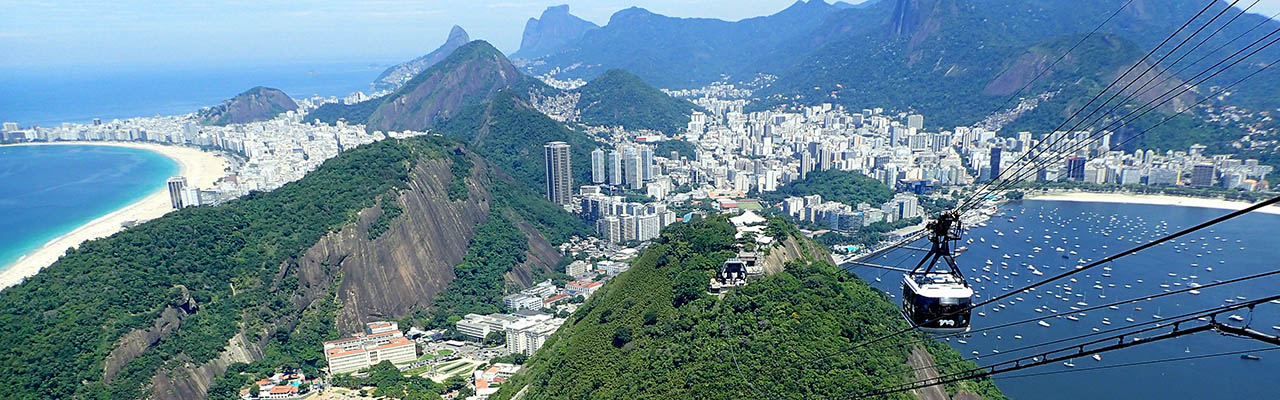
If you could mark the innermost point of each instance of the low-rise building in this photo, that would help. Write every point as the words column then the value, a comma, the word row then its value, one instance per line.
column 380, row 341
column 580, row 288
column 478, row 326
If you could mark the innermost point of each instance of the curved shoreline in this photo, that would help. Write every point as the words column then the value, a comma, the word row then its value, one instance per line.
column 199, row 167
column 1159, row 200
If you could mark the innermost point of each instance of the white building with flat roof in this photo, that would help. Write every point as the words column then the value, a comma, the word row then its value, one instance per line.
column 529, row 333
column 478, row 326
column 381, row 341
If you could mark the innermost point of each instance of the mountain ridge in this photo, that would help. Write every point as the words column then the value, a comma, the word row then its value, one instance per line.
column 395, row 76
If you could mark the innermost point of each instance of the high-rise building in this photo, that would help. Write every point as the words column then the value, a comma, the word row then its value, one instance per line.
column 176, row 186
column 1202, row 175
column 1075, row 169
column 995, row 162
column 615, row 168
column 559, row 173
column 646, row 163
column 633, row 168
column 598, row 172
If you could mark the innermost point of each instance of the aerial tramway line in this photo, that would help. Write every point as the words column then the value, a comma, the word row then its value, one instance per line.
column 938, row 301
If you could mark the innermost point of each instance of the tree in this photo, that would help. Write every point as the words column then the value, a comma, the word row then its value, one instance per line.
column 621, row 336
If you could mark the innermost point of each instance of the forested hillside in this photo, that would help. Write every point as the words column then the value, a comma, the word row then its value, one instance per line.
column 618, row 98
column 654, row 332
column 133, row 315
column 511, row 133
column 846, row 187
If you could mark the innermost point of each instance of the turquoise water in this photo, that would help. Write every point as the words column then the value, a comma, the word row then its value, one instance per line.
column 47, row 191
column 1235, row 248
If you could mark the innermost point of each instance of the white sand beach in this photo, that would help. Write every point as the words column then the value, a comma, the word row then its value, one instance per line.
column 200, row 168
column 1150, row 199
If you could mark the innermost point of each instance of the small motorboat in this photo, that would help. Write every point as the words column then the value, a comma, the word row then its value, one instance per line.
column 1249, row 357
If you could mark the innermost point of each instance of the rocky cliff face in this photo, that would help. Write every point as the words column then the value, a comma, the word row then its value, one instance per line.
column 383, row 278
column 395, row 76
column 257, row 104
column 550, row 32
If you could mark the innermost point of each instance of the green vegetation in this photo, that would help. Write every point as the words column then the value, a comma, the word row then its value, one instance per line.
column 390, row 382
column 846, row 187
column 478, row 280
column 653, row 332
column 460, row 170
column 238, row 261
column 390, row 210
column 618, row 98
column 682, row 147
column 868, row 235
column 510, row 134
column 354, row 114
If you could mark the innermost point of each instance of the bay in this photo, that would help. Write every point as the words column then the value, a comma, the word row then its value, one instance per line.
column 1235, row 248
column 48, row 191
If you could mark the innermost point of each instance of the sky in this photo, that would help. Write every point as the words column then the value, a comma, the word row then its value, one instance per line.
column 39, row 33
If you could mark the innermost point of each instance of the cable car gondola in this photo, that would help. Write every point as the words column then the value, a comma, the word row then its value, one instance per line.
column 938, row 301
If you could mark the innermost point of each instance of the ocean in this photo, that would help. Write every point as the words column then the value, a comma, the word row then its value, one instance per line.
column 48, row 191
column 49, row 96
column 1239, row 247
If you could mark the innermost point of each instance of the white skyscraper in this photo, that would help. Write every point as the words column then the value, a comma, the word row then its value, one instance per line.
column 598, row 171
column 615, row 168
column 176, row 186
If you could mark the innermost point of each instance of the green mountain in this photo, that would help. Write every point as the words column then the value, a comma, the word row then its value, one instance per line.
column 256, row 104
column 654, row 332
column 201, row 300
column 618, row 98
column 681, row 52
column 470, row 75
column 511, row 133
column 550, row 32
column 395, row 76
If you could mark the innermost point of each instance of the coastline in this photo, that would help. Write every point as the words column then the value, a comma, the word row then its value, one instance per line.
column 199, row 167
column 1160, row 200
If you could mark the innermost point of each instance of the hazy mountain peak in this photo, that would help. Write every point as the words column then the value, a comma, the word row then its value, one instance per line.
column 550, row 32
column 397, row 75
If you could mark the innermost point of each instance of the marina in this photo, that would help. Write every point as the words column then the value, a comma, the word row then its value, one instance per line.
column 1093, row 231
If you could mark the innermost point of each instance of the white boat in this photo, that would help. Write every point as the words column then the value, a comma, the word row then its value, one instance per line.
column 1236, row 318
column 1072, row 318
column 1097, row 357
column 1069, row 364
column 1276, row 327
column 1046, row 324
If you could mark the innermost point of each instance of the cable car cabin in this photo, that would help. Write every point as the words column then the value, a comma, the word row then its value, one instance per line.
column 927, row 298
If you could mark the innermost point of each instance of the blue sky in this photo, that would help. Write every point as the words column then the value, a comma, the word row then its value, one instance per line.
column 91, row 32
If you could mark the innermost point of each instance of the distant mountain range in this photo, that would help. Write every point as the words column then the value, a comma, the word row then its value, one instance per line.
column 397, row 75
column 256, row 104
column 550, row 32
